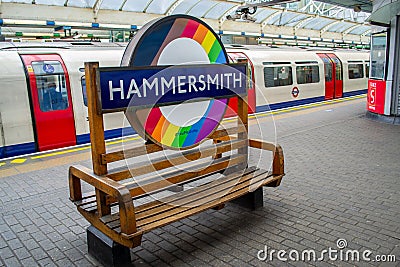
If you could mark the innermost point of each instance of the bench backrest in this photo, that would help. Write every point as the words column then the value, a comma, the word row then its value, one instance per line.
column 233, row 140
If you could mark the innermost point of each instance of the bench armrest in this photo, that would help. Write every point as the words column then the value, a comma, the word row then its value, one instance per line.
column 109, row 187
column 278, row 161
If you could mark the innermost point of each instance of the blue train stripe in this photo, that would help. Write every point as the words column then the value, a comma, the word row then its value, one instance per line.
column 109, row 134
column 15, row 150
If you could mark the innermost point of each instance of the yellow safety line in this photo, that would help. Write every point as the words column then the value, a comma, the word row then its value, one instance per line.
column 60, row 152
column 18, row 161
column 122, row 140
column 276, row 112
column 2, row 164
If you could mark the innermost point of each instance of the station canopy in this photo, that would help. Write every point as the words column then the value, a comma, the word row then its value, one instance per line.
column 292, row 15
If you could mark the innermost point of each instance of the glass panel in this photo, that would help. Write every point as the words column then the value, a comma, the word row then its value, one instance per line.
column 184, row 7
column 356, row 71
column 307, row 74
column 81, row 3
column 338, row 66
column 18, row 1
column 340, row 27
column 135, row 5
column 263, row 14
column 159, row 6
column 51, row 85
column 217, row 11
column 327, row 69
column 50, row 2
column 360, row 30
column 111, row 4
column 296, row 20
column 285, row 18
column 378, row 55
column 317, row 23
column 275, row 18
column 277, row 76
column 201, row 8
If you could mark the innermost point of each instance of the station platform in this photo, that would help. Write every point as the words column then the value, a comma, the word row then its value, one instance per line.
column 340, row 192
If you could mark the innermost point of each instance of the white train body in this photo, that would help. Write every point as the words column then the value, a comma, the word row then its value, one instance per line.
column 283, row 77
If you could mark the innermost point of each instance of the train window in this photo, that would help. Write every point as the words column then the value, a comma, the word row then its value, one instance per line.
column 327, row 69
column 338, row 67
column 367, row 69
column 278, row 76
column 356, row 71
column 84, row 94
column 307, row 74
column 378, row 55
column 51, row 85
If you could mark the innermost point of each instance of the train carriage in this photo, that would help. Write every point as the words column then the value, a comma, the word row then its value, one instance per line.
column 42, row 104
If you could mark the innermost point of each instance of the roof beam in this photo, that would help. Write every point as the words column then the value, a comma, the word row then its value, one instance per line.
column 268, row 18
column 147, row 6
column 303, row 22
column 211, row 8
column 96, row 7
column 347, row 31
column 173, row 7
column 122, row 5
column 324, row 29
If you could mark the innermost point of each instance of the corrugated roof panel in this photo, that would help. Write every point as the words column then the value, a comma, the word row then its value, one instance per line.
column 285, row 18
column 317, row 23
column 296, row 20
column 81, row 3
column 111, row 4
column 360, row 30
column 201, row 8
column 262, row 14
column 18, row 1
column 135, row 5
column 217, row 11
column 184, row 7
column 340, row 27
column 159, row 6
column 50, row 2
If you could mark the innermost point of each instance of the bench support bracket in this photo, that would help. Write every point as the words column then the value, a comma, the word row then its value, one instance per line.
column 252, row 200
column 105, row 250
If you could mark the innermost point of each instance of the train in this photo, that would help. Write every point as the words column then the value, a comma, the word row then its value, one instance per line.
column 43, row 104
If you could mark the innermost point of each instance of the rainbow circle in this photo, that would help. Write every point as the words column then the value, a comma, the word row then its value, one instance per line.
column 177, row 39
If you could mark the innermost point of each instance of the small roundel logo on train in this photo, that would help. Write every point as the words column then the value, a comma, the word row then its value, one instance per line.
column 48, row 68
column 295, row 91
column 177, row 40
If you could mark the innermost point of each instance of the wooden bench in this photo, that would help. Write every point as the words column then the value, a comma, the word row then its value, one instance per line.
column 223, row 166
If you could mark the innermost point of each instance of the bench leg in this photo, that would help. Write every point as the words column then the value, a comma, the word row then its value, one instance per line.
column 252, row 200
column 105, row 250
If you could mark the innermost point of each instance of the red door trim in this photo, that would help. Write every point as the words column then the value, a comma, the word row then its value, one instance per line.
column 54, row 128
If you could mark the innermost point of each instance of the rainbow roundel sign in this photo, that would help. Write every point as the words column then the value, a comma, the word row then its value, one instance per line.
column 174, row 41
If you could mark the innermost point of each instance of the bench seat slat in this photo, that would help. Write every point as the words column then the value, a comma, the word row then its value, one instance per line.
column 159, row 213
column 146, row 226
column 176, row 199
column 185, row 176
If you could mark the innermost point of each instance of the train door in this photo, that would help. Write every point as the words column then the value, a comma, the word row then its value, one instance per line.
column 239, row 57
column 50, row 95
column 333, row 76
column 338, row 75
